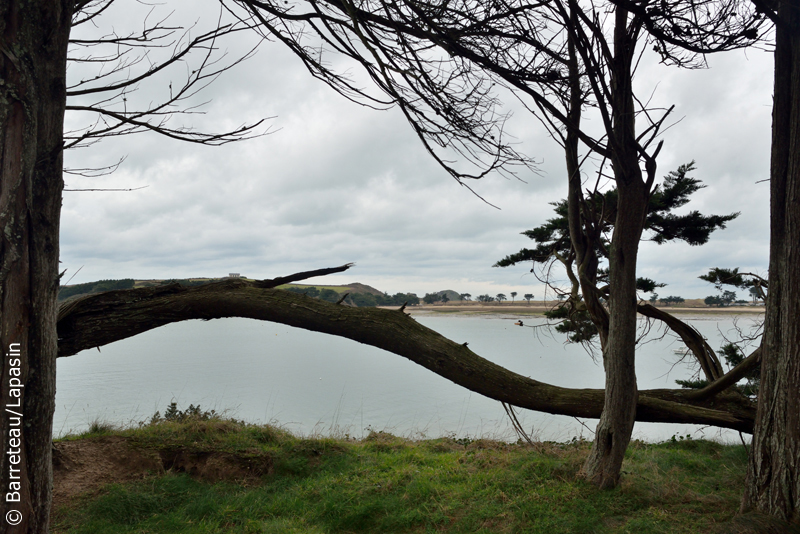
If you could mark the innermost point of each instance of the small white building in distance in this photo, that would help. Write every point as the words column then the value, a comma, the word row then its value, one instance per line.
column 234, row 275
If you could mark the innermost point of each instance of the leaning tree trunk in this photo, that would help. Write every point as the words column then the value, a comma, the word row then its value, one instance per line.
column 33, row 51
column 96, row 320
column 604, row 464
column 773, row 474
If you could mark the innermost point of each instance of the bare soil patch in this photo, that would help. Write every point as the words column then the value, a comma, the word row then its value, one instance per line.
column 86, row 465
column 218, row 466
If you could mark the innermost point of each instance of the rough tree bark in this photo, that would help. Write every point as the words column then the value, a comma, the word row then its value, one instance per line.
column 773, row 475
column 103, row 318
column 33, row 51
column 604, row 464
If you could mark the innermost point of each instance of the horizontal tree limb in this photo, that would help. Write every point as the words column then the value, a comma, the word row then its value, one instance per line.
column 102, row 318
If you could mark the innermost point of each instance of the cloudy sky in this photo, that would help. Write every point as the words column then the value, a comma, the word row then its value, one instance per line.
column 334, row 182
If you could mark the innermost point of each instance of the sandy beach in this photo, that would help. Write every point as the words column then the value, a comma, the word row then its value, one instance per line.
column 539, row 307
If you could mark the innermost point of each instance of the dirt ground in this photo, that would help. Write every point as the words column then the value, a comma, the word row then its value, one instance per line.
column 84, row 466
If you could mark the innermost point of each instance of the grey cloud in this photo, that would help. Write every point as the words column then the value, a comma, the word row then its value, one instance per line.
column 336, row 183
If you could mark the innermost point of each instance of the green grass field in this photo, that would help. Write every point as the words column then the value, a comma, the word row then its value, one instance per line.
column 388, row 484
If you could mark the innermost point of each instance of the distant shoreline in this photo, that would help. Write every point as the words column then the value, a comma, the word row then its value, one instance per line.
column 479, row 308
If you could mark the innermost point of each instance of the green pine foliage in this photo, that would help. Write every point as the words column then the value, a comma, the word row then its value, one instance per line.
column 664, row 226
column 577, row 325
column 552, row 240
column 721, row 277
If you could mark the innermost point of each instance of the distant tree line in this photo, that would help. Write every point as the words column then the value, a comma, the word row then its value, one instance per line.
column 672, row 299
column 184, row 282
column 444, row 297
column 726, row 299
column 371, row 300
column 326, row 294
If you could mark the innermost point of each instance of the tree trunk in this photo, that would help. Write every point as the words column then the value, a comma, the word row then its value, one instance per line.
column 614, row 430
column 33, row 51
column 773, row 474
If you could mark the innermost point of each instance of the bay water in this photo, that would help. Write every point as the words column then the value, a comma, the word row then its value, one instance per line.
column 311, row 383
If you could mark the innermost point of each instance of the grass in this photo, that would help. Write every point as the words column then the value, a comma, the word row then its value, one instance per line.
column 389, row 484
column 338, row 289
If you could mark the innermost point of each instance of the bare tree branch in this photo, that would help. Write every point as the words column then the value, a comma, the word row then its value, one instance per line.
column 124, row 61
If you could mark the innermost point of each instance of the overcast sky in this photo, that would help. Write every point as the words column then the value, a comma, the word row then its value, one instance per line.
column 335, row 183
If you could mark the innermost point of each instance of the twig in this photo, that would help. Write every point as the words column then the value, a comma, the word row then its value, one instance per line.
column 516, row 424
column 584, row 425
column 131, row 189
column 73, row 276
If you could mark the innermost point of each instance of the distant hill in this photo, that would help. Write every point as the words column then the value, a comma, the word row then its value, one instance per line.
column 451, row 295
column 65, row 292
column 363, row 288
column 75, row 290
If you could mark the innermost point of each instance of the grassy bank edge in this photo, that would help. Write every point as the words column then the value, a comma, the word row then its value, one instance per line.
column 384, row 483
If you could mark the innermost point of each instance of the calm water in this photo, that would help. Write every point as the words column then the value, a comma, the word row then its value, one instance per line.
column 310, row 382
